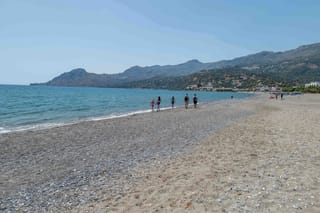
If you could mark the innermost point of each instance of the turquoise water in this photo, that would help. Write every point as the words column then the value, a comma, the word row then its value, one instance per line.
column 29, row 107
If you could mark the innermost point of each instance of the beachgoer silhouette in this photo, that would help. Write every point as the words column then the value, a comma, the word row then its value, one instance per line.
column 158, row 103
column 186, row 101
column 152, row 104
column 281, row 95
column 172, row 102
column 195, row 100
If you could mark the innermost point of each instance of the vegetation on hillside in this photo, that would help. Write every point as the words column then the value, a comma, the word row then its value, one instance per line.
column 310, row 89
column 288, row 69
column 292, row 73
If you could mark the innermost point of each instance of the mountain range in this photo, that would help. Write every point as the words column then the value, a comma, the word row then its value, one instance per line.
column 282, row 67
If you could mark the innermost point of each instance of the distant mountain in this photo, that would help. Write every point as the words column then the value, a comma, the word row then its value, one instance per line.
column 294, row 72
column 267, row 57
column 80, row 77
column 259, row 61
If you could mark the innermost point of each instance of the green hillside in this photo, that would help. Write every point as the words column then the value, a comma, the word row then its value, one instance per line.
column 294, row 72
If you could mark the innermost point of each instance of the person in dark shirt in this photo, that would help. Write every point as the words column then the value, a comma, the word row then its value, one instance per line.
column 158, row 103
column 172, row 102
column 195, row 100
column 186, row 101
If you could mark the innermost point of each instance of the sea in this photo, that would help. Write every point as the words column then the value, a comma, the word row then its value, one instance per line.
column 38, row 107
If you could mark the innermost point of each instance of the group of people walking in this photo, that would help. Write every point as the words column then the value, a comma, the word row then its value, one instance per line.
column 186, row 102
column 158, row 104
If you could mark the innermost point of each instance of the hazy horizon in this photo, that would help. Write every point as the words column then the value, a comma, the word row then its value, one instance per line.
column 42, row 39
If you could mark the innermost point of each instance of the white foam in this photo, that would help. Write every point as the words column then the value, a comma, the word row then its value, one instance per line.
column 99, row 118
column 117, row 115
column 30, row 127
column 51, row 125
column 121, row 115
column 3, row 130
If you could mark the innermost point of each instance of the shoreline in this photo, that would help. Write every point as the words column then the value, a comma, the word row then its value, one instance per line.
column 90, row 104
column 40, row 168
column 45, row 126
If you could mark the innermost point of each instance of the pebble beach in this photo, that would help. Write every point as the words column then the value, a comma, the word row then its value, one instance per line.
column 250, row 155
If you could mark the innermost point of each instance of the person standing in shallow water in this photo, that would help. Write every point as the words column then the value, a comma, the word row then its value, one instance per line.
column 186, row 101
column 158, row 103
column 172, row 102
column 195, row 100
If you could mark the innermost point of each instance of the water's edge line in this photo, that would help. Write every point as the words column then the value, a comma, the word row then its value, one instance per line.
column 67, row 123
column 101, row 118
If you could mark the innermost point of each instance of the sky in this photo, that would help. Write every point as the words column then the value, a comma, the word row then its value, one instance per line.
column 40, row 39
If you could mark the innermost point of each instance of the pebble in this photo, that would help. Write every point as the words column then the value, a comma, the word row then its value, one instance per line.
column 114, row 151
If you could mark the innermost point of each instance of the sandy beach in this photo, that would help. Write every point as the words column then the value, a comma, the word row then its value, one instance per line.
column 253, row 155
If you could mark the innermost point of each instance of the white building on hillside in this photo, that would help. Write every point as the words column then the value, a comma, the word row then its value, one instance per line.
column 315, row 83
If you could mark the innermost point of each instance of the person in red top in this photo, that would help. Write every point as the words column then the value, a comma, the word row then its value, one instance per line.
column 152, row 104
column 186, row 101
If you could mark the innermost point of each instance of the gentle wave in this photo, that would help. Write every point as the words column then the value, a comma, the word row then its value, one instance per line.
column 52, row 125
column 25, row 107
column 4, row 130
column 42, row 126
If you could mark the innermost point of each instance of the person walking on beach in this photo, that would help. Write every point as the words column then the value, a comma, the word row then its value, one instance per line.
column 186, row 101
column 158, row 103
column 195, row 100
column 172, row 102
column 152, row 104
